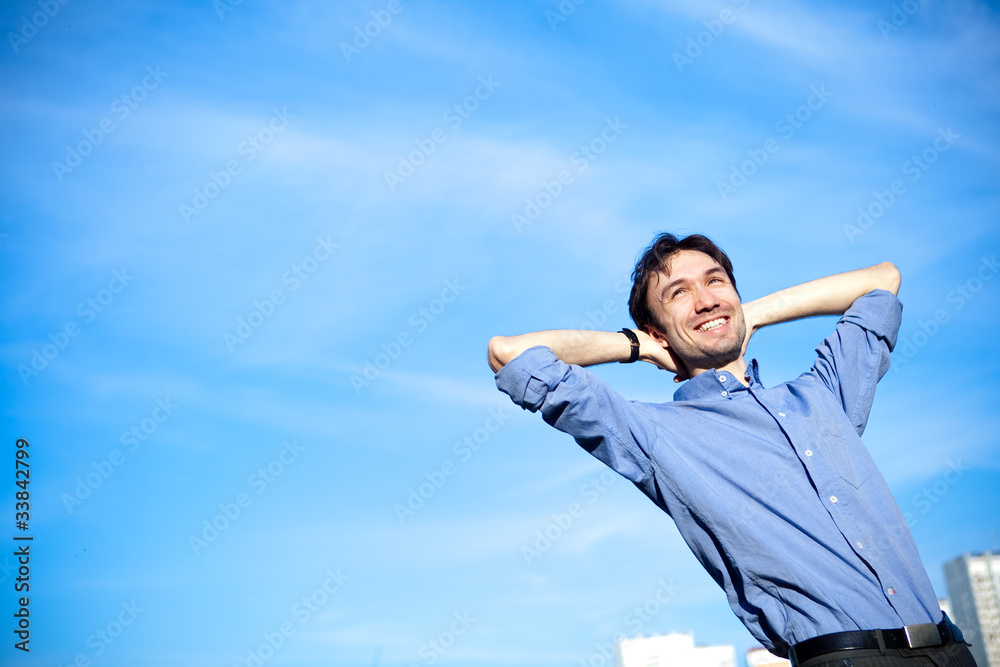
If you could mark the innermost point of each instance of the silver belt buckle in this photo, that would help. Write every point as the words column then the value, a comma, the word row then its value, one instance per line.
column 922, row 634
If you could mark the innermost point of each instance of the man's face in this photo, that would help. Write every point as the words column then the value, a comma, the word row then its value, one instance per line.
column 698, row 311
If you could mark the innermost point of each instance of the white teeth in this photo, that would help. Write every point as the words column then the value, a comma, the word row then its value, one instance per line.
column 714, row 324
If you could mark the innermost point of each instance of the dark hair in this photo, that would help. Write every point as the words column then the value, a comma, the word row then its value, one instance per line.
column 656, row 258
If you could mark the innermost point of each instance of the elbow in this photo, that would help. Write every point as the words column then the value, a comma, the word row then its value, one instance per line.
column 890, row 278
column 498, row 353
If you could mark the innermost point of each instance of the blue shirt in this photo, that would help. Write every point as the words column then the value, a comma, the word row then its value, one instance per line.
column 772, row 489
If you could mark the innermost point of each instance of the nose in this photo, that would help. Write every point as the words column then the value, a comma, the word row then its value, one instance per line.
column 705, row 299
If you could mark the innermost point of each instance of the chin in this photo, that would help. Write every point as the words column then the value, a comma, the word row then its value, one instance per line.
column 720, row 358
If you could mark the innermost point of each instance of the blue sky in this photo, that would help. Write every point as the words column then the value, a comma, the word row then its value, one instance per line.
column 252, row 255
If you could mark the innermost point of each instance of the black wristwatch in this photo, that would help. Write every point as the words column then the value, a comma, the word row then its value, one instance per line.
column 634, row 340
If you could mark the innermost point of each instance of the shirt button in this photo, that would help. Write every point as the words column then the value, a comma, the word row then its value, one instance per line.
column 891, row 591
column 861, row 546
column 809, row 452
column 833, row 499
column 723, row 393
column 722, row 378
column 781, row 414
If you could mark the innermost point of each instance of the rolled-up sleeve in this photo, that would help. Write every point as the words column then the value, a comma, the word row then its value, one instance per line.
column 529, row 377
column 575, row 401
column 854, row 358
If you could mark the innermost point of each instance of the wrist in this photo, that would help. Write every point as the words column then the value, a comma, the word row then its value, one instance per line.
column 647, row 346
column 634, row 346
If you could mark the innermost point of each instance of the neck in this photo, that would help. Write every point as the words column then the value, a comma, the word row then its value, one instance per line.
column 738, row 367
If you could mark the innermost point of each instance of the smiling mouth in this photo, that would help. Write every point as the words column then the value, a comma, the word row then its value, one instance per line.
column 711, row 325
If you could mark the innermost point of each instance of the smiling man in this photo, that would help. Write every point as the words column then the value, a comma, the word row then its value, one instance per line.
column 771, row 488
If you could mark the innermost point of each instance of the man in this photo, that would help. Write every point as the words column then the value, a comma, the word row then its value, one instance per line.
column 772, row 489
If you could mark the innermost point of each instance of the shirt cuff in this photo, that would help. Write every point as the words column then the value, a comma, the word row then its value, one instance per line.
column 529, row 377
column 880, row 312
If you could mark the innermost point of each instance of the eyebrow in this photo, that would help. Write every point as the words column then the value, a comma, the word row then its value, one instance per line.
column 673, row 283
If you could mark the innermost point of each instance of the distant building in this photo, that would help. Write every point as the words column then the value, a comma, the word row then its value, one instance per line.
column 761, row 657
column 974, row 591
column 676, row 649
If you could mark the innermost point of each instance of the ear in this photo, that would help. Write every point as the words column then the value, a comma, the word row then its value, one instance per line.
column 658, row 336
column 683, row 372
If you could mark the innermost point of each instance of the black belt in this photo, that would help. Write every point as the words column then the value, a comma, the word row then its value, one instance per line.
column 912, row 636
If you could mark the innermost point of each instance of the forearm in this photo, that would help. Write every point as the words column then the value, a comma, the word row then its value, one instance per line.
column 585, row 348
column 831, row 295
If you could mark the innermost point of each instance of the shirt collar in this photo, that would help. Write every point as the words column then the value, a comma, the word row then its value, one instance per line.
column 713, row 385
